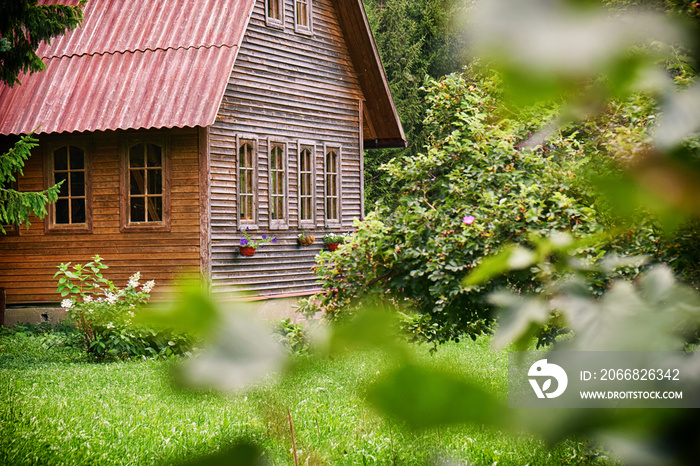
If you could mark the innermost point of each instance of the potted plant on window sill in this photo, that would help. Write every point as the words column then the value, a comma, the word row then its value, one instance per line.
column 333, row 240
column 306, row 239
column 249, row 245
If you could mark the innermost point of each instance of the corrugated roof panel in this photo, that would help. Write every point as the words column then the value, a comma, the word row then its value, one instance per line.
column 152, row 89
column 130, row 25
column 133, row 64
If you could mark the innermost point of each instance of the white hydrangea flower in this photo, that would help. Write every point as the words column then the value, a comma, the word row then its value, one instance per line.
column 148, row 286
column 67, row 303
column 88, row 299
column 134, row 280
column 111, row 298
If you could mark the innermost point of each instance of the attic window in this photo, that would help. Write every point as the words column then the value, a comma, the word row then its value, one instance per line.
column 274, row 13
column 302, row 16
column 68, row 165
column 145, row 186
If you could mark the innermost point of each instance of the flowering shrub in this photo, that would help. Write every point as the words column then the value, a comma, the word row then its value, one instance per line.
column 248, row 242
column 474, row 189
column 105, row 314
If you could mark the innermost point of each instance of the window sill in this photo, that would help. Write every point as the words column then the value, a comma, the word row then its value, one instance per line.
column 305, row 30
column 143, row 227
column 274, row 23
column 68, row 229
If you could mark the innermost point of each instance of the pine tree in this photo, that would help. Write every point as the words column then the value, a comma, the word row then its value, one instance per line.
column 416, row 39
column 23, row 26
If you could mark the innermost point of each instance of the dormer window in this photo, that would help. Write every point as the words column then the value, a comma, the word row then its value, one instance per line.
column 274, row 13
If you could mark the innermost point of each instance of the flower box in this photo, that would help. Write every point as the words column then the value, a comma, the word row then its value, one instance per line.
column 247, row 251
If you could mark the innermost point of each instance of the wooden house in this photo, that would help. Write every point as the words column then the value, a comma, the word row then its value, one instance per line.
column 176, row 123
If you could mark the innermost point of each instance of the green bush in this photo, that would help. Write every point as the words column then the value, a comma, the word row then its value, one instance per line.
column 292, row 336
column 476, row 188
column 44, row 342
column 105, row 314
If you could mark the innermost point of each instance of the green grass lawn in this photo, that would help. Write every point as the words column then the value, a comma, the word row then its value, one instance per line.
column 54, row 410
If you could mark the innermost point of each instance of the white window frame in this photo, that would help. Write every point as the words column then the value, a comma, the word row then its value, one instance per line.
column 252, row 222
column 283, row 223
column 303, row 28
column 311, row 145
column 335, row 222
column 270, row 21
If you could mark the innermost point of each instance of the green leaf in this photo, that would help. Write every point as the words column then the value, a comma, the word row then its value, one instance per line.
column 512, row 257
column 427, row 397
column 519, row 318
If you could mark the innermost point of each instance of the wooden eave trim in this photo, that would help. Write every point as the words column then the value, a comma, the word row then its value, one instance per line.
column 358, row 17
column 386, row 143
column 361, row 142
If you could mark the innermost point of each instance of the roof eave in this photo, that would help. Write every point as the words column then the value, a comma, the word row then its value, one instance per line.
column 386, row 143
column 373, row 81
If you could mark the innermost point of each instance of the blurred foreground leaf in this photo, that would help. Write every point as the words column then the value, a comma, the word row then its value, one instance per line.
column 655, row 314
column 427, row 397
column 240, row 353
column 519, row 319
column 370, row 328
column 190, row 311
column 546, row 49
column 242, row 453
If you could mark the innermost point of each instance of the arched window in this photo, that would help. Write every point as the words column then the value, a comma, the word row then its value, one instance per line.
column 247, row 185
column 145, row 186
column 307, row 186
column 332, row 186
column 278, row 185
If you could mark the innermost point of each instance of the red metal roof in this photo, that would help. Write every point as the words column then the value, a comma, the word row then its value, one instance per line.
column 148, row 65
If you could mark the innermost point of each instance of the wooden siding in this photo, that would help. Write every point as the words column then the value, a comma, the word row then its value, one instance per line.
column 285, row 87
column 28, row 261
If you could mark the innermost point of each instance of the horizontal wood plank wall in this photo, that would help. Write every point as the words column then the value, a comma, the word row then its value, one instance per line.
column 28, row 261
column 285, row 87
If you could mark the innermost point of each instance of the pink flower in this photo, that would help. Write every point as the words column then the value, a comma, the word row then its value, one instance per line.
column 469, row 219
